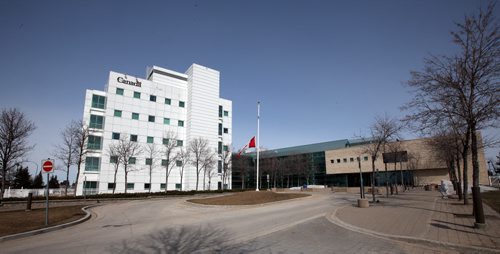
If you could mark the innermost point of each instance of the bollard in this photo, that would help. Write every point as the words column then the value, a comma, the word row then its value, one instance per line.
column 28, row 204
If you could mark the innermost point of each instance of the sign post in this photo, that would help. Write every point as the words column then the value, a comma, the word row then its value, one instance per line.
column 47, row 167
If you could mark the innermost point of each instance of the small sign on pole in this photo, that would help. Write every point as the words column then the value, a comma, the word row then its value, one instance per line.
column 47, row 167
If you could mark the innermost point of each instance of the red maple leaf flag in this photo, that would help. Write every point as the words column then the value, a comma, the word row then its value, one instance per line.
column 252, row 143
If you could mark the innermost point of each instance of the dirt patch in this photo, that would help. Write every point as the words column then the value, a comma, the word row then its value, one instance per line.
column 248, row 198
column 21, row 221
column 492, row 198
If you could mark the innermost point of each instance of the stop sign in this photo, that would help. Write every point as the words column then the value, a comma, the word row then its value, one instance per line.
column 47, row 166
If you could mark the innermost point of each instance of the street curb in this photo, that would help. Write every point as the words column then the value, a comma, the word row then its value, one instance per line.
column 332, row 217
column 52, row 228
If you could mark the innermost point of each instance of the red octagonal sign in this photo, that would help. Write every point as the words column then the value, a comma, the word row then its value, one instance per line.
column 47, row 166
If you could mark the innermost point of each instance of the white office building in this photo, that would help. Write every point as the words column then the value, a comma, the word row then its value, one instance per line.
column 187, row 105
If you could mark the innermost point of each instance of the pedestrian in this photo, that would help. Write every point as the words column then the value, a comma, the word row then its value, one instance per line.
column 443, row 189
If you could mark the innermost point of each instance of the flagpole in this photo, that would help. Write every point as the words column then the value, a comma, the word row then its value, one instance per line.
column 258, row 126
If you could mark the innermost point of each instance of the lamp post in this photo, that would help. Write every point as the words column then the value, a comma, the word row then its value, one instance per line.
column 361, row 188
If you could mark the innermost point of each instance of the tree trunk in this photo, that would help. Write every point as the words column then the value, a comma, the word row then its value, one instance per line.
column 386, row 181
column 459, row 175
column 126, row 179
column 478, row 204
column 465, row 151
column 78, row 166
column 114, row 179
column 4, row 172
column 150, row 175
column 204, row 182
column 373, row 179
column 67, row 182
column 166, row 183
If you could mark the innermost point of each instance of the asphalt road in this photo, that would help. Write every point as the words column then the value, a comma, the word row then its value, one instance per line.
column 176, row 226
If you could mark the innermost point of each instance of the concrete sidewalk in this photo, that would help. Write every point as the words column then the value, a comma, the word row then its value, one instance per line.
column 423, row 217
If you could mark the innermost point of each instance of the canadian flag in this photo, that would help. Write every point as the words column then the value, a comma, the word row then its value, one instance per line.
column 250, row 144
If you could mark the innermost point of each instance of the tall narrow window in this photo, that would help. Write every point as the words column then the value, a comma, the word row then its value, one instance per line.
column 219, row 148
column 220, row 111
column 220, row 129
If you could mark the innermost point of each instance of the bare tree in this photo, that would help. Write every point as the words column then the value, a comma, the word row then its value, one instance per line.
column 114, row 158
column 81, row 133
column 242, row 165
column 127, row 153
column 152, row 153
column 183, row 157
column 199, row 150
column 15, row 129
column 383, row 130
column 226, row 166
column 464, row 86
column 169, row 144
column 208, row 163
column 66, row 151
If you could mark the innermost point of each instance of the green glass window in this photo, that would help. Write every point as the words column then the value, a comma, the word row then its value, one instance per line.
column 226, row 113
column 113, row 159
column 118, row 113
column 98, row 101
column 131, row 160
column 92, row 164
column 365, row 158
column 165, row 141
column 168, row 101
column 133, row 137
column 178, row 163
column 115, row 135
column 162, row 186
column 152, row 98
column 151, row 119
column 119, row 91
column 137, row 95
column 149, row 161
column 90, row 185
column 182, row 104
column 226, row 148
column 166, row 120
column 130, row 186
column 179, row 143
column 135, row 116
column 150, row 140
column 178, row 186
column 96, row 122
column 94, row 142
column 181, row 123
column 164, row 163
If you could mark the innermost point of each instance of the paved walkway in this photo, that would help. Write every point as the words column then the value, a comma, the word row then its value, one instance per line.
column 423, row 217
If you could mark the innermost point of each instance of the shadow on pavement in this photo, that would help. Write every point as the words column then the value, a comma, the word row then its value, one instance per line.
column 185, row 239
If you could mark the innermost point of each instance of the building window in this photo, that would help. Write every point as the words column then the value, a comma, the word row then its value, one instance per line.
column 168, row 101
column 113, row 159
column 220, row 111
column 226, row 113
column 151, row 119
column 130, row 186
column 219, row 148
column 178, row 186
column 165, row 141
column 166, row 120
column 135, row 116
column 162, row 186
column 331, row 161
column 111, row 186
column 164, row 163
column 226, row 131
column 98, row 101
column 115, row 135
column 351, row 159
column 219, row 167
column 94, row 143
column 180, row 123
column 137, row 95
column 119, row 91
column 180, row 143
column 92, row 164
column 220, row 129
column 118, row 113
column 150, row 140
column 226, row 148
column 365, row 158
column 182, row 104
column 131, row 160
column 90, row 185
column 178, row 163
column 133, row 137
column 345, row 160
column 147, row 186
column 152, row 98
column 96, row 122
column 338, row 160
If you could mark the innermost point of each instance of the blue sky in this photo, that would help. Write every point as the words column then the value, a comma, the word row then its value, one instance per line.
column 322, row 69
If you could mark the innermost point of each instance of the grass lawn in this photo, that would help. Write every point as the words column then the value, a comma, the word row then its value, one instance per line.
column 492, row 198
column 21, row 221
column 248, row 198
